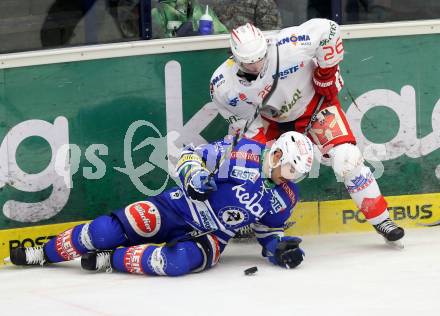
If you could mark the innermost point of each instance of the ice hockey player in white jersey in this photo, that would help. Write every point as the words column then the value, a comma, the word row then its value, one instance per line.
column 301, row 65
column 224, row 186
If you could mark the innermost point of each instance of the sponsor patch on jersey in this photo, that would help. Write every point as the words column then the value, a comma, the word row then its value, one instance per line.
column 289, row 192
column 234, row 101
column 245, row 174
column 217, row 80
column 245, row 156
column 144, row 218
column 277, row 202
column 284, row 73
column 286, row 107
column 232, row 119
column 176, row 195
column 331, row 35
column 158, row 262
column 133, row 259
column 295, row 39
column 242, row 96
column 244, row 82
column 203, row 215
column 232, row 216
column 65, row 247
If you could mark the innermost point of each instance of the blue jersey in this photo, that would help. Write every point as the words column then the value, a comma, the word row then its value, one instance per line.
column 243, row 196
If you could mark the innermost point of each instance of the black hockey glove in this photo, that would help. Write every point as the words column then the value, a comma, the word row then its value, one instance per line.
column 287, row 252
column 200, row 185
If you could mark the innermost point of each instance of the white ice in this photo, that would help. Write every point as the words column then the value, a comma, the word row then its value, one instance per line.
column 347, row 274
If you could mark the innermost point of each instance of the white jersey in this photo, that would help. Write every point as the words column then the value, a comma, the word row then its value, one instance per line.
column 300, row 50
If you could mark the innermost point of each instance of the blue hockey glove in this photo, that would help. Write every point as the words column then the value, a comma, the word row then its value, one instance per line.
column 285, row 252
column 200, row 185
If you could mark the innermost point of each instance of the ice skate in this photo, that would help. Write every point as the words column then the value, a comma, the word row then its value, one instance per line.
column 97, row 261
column 391, row 233
column 28, row 256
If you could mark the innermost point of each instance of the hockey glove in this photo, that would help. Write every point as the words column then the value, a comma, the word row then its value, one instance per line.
column 285, row 252
column 200, row 185
column 327, row 81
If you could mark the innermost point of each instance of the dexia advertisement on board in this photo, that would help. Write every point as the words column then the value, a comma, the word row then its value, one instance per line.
column 83, row 138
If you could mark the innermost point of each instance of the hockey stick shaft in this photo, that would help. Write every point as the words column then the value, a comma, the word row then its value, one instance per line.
column 313, row 117
column 266, row 98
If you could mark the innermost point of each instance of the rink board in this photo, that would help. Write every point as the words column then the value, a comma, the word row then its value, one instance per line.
column 105, row 108
column 311, row 218
column 29, row 236
column 409, row 211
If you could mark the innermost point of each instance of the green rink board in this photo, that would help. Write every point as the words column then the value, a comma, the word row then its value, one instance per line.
column 98, row 101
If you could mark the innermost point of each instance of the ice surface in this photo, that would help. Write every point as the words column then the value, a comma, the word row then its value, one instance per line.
column 347, row 274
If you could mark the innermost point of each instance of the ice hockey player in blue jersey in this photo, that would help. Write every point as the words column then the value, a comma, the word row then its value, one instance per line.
column 186, row 228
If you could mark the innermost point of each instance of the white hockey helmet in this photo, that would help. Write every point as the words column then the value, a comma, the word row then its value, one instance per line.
column 296, row 161
column 248, row 44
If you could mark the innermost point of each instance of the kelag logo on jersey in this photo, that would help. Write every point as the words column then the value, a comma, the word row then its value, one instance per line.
column 285, row 72
column 251, row 203
column 233, row 216
column 295, row 39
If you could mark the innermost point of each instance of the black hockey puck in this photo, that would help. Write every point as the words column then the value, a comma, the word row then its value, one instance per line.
column 250, row 271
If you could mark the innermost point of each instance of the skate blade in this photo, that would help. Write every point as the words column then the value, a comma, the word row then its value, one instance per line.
column 398, row 244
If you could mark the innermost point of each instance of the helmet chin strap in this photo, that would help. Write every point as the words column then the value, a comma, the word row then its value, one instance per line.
column 268, row 166
column 270, row 173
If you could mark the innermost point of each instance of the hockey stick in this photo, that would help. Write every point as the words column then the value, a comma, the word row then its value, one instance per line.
column 187, row 237
column 249, row 122
column 313, row 117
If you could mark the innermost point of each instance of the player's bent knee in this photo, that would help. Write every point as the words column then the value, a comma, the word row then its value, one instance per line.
column 345, row 159
column 106, row 232
column 177, row 260
column 188, row 256
column 210, row 249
